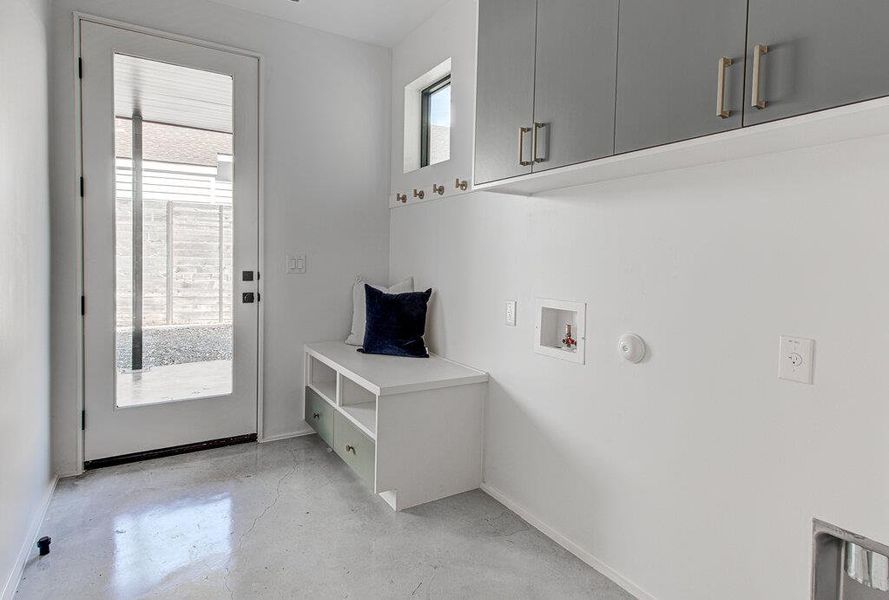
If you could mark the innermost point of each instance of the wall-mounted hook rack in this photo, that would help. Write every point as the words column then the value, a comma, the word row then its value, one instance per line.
column 438, row 189
column 419, row 194
column 461, row 184
column 399, row 197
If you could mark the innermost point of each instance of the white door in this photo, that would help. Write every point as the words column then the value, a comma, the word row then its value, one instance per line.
column 170, row 218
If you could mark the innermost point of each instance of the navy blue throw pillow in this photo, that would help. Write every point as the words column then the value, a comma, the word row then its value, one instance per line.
column 395, row 323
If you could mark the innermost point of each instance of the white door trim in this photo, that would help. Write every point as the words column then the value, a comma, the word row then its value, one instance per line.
column 79, row 17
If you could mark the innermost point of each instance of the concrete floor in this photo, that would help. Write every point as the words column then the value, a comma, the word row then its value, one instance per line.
column 287, row 519
column 185, row 381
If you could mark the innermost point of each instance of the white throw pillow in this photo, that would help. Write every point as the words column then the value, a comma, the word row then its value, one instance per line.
column 359, row 306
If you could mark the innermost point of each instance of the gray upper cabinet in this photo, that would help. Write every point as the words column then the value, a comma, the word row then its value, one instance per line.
column 815, row 54
column 670, row 70
column 574, row 82
column 568, row 81
column 505, row 91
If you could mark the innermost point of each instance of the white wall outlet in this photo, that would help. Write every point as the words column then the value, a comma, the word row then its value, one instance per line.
column 510, row 313
column 295, row 264
column 795, row 359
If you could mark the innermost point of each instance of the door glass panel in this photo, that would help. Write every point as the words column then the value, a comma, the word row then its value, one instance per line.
column 173, row 232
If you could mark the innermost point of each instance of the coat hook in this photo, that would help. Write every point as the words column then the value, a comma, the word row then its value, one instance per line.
column 419, row 194
column 461, row 184
column 438, row 189
column 399, row 197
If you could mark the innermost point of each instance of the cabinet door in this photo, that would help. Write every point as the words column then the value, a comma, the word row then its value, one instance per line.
column 668, row 67
column 319, row 415
column 575, row 81
column 505, row 90
column 821, row 54
column 356, row 449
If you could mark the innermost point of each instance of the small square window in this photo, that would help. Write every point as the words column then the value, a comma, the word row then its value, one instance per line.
column 435, row 123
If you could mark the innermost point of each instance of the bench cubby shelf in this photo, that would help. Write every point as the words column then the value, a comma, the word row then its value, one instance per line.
column 410, row 427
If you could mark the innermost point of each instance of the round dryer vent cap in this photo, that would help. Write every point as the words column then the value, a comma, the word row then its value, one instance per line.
column 631, row 347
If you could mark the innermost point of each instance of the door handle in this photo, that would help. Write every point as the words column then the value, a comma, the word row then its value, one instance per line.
column 756, row 93
column 537, row 128
column 316, row 416
column 350, row 448
column 522, row 132
column 248, row 297
column 721, row 111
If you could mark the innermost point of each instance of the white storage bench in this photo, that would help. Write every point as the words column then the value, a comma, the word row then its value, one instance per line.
column 410, row 427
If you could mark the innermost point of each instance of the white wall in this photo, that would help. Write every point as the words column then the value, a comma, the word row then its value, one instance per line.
column 697, row 473
column 326, row 165
column 450, row 33
column 25, row 476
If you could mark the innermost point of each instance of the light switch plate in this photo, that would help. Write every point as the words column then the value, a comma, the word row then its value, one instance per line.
column 295, row 264
column 510, row 313
column 795, row 359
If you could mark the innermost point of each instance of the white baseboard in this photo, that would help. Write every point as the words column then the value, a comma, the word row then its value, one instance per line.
column 566, row 543
column 286, row 436
column 15, row 576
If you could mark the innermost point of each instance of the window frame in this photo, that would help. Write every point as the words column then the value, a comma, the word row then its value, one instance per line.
column 425, row 102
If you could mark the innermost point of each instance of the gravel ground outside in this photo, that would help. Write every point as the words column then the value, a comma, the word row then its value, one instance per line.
column 176, row 344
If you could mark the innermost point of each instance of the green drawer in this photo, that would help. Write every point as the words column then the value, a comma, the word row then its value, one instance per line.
column 354, row 447
column 319, row 415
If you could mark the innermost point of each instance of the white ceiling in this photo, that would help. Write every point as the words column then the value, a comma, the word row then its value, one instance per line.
column 381, row 22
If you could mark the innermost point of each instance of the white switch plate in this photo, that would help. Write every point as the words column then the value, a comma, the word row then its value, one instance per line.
column 510, row 313
column 295, row 264
column 795, row 359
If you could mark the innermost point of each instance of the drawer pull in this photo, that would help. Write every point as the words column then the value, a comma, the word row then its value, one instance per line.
column 522, row 132
column 721, row 111
column 756, row 100
column 537, row 128
column 350, row 448
column 316, row 415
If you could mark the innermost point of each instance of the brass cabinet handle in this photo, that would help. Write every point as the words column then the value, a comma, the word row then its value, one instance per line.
column 756, row 99
column 316, row 416
column 522, row 132
column 721, row 111
column 461, row 184
column 399, row 197
column 438, row 189
column 350, row 448
column 419, row 194
column 537, row 128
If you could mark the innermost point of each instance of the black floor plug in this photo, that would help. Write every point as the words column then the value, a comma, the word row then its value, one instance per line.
column 43, row 544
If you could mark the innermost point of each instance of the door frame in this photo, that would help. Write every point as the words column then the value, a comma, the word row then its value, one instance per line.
column 80, row 390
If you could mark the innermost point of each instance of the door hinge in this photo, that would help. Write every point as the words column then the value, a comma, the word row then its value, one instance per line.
column 80, row 67
column 81, row 186
column 83, row 305
column 258, row 297
column 83, row 420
